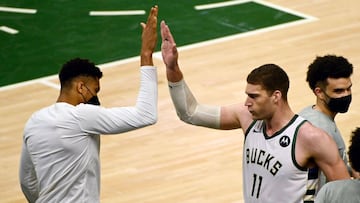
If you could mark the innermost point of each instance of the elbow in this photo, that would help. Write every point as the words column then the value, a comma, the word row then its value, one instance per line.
column 153, row 119
column 153, row 116
column 150, row 118
column 185, row 118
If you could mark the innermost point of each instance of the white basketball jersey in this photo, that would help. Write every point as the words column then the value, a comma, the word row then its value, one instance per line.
column 270, row 172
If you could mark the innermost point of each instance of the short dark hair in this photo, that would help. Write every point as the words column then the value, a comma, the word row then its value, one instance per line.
column 271, row 77
column 328, row 66
column 354, row 149
column 78, row 67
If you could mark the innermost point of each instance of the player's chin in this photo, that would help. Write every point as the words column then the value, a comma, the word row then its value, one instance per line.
column 254, row 115
column 257, row 116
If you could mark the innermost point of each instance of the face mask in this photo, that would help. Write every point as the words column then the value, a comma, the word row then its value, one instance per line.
column 94, row 101
column 340, row 105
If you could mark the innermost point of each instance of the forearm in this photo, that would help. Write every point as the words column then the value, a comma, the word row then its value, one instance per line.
column 27, row 176
column 173, row 73
column 146, row 103
column 188, row 109
column 146, row 58
column 100, row 120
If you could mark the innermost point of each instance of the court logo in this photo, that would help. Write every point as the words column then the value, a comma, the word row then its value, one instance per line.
column 284, row 141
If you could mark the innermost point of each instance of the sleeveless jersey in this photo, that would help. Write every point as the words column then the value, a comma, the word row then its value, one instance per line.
column 270, row 172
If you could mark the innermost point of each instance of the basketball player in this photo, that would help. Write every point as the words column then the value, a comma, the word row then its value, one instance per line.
column 60, row 152
column 329, row 79
column 279, row 145
column 345, row 191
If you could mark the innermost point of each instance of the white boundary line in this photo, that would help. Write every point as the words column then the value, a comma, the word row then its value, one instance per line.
column 14, row 10
column 287, row 10
column 18, row 10
column 241, row 35
column 117, row 13
column 45, row 80
column 220, row 4
column 29, row 82
column 50, row 84
column 9, row 30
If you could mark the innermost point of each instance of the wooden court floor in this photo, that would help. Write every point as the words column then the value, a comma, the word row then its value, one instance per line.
column 175, row 162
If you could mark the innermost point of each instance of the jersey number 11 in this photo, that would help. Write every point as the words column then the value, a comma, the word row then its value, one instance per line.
column 257, row 180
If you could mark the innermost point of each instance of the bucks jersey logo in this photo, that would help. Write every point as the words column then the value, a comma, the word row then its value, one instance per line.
column 284, row 141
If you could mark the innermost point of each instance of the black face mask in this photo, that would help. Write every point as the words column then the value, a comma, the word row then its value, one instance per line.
column 340, row 105
column 94, row 101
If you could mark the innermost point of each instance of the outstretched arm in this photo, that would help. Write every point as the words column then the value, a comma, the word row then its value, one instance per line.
column 187, row 107
column 116, row 120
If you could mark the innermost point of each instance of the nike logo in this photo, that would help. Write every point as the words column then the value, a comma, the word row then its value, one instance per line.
column 256, row 130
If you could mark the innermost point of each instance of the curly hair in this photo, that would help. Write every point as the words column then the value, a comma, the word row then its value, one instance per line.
column 78, row 67
column 354, row 150
column 328, row 66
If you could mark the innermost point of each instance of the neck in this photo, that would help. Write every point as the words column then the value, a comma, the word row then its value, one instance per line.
column 279, row 120
column 321, row 106
column 67, row 99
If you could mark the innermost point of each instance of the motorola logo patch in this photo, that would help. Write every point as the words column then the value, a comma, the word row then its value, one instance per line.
column 284, row 141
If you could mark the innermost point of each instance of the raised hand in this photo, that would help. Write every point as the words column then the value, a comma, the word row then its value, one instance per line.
column 168, row 47
column 149, row 37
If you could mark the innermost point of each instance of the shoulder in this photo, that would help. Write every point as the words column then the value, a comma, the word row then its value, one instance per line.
column 306, row 110
column 337, row 183
column 317, row 118
column 311, row 137
column 87, row 110
column 339, row 189
column 312, row 133
column 314, row 116
column 41, row 112
column 309, row 131
column 235, row 116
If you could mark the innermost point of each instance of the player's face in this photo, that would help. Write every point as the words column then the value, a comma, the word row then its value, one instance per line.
column 258, row 101
column 338, row 87
column 93, row 86
column 90, row 87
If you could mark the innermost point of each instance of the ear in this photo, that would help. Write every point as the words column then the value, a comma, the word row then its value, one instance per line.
column 277, row 96
column 80, row 86
column 319, row 93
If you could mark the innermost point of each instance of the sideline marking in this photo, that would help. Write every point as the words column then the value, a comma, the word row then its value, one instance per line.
column 50, row 84
column 18, row 10
column 241, row 35
column 286, row 10
column 47, row 79
column 9, row 30
column 116, row 13
column 220, row 4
